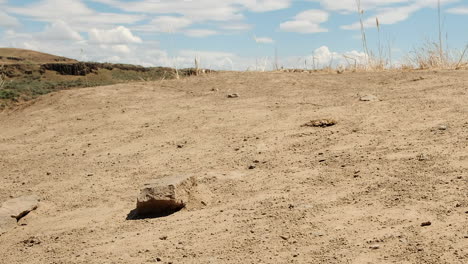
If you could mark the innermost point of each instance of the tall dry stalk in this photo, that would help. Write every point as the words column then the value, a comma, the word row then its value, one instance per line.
column 460, row 61
column 197, row 65
column 381, row 62
column 276, row 59
column 363, row 32
column 441, row 44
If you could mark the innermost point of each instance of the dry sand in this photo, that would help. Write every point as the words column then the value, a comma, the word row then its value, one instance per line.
column 355, row 192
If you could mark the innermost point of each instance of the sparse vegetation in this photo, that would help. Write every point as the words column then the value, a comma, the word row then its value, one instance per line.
column 2, row 77
column 22, row 80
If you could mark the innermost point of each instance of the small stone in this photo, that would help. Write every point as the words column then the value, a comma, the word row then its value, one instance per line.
column 234, row 95
column 320, row 123
column 428, row 223
column 369, row 98
column 21, row 206
column 163, row 238
column 422, row 157
column 374, row 247
column 443, row 127
column 165, row 195
column 252, row 167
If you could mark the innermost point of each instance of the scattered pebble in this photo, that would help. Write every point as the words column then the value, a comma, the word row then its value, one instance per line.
column 428, row 223
column 443, row 127
column 369, row 98
column 252, row 167
column 320, row 123
column 234, row 95
column 423, row 157
column 374, row 247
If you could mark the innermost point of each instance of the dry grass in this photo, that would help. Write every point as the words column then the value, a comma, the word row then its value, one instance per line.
column 2, row 77
column 431, row 55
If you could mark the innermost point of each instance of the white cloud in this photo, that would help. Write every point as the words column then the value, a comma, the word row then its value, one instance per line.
column 121, row 48
column 350, row 5
column 74, row 12
column 118, row 35
column 167, row 24
column 385, row 16
column 306, row 22
column 236, row 27
column 324, row 57
column 388, row 15
column 200, row 33
column 7, row 20
column 266, row 5
column 460, row 10
column 60, row 30
column 263, row 40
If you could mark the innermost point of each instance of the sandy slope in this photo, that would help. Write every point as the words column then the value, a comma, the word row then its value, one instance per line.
column 356, row 192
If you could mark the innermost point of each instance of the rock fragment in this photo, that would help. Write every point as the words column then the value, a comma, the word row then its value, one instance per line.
column 165, row 196
column 428, row 223
column 15, row 209
column 234, row 95
column 369, row 98
column 374, row 247
column 320, row 123
column 21, row 206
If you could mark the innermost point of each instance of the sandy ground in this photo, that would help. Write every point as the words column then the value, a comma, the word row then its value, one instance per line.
column 356, row 192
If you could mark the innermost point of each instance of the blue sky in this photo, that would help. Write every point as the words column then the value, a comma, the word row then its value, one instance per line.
column 228, row 34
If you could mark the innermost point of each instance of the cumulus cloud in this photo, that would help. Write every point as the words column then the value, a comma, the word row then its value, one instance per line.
column 7, row 20
column 200, row 33
column 390, row 14
column 350, row 5
column 306, row 22
column 78, row 15
column 167, row 24
column 263, row 40
column 323, row 57
column 460, row 10
column 265, row 5
column 121, row 49
column 118, row 35
column 59, row 30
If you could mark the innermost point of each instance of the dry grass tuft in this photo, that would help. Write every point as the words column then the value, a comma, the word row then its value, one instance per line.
column 2, row 77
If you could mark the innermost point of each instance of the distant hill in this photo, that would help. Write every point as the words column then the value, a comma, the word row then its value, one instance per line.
column 22, row 56
column 26, row 74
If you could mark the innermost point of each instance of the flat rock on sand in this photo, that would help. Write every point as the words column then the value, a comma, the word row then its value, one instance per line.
column 164, row 196
column 15, row 209
column 21, row 206
column 369, row 98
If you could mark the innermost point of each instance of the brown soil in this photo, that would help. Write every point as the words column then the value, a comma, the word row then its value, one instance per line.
column 22, row 56
column 273, row 190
